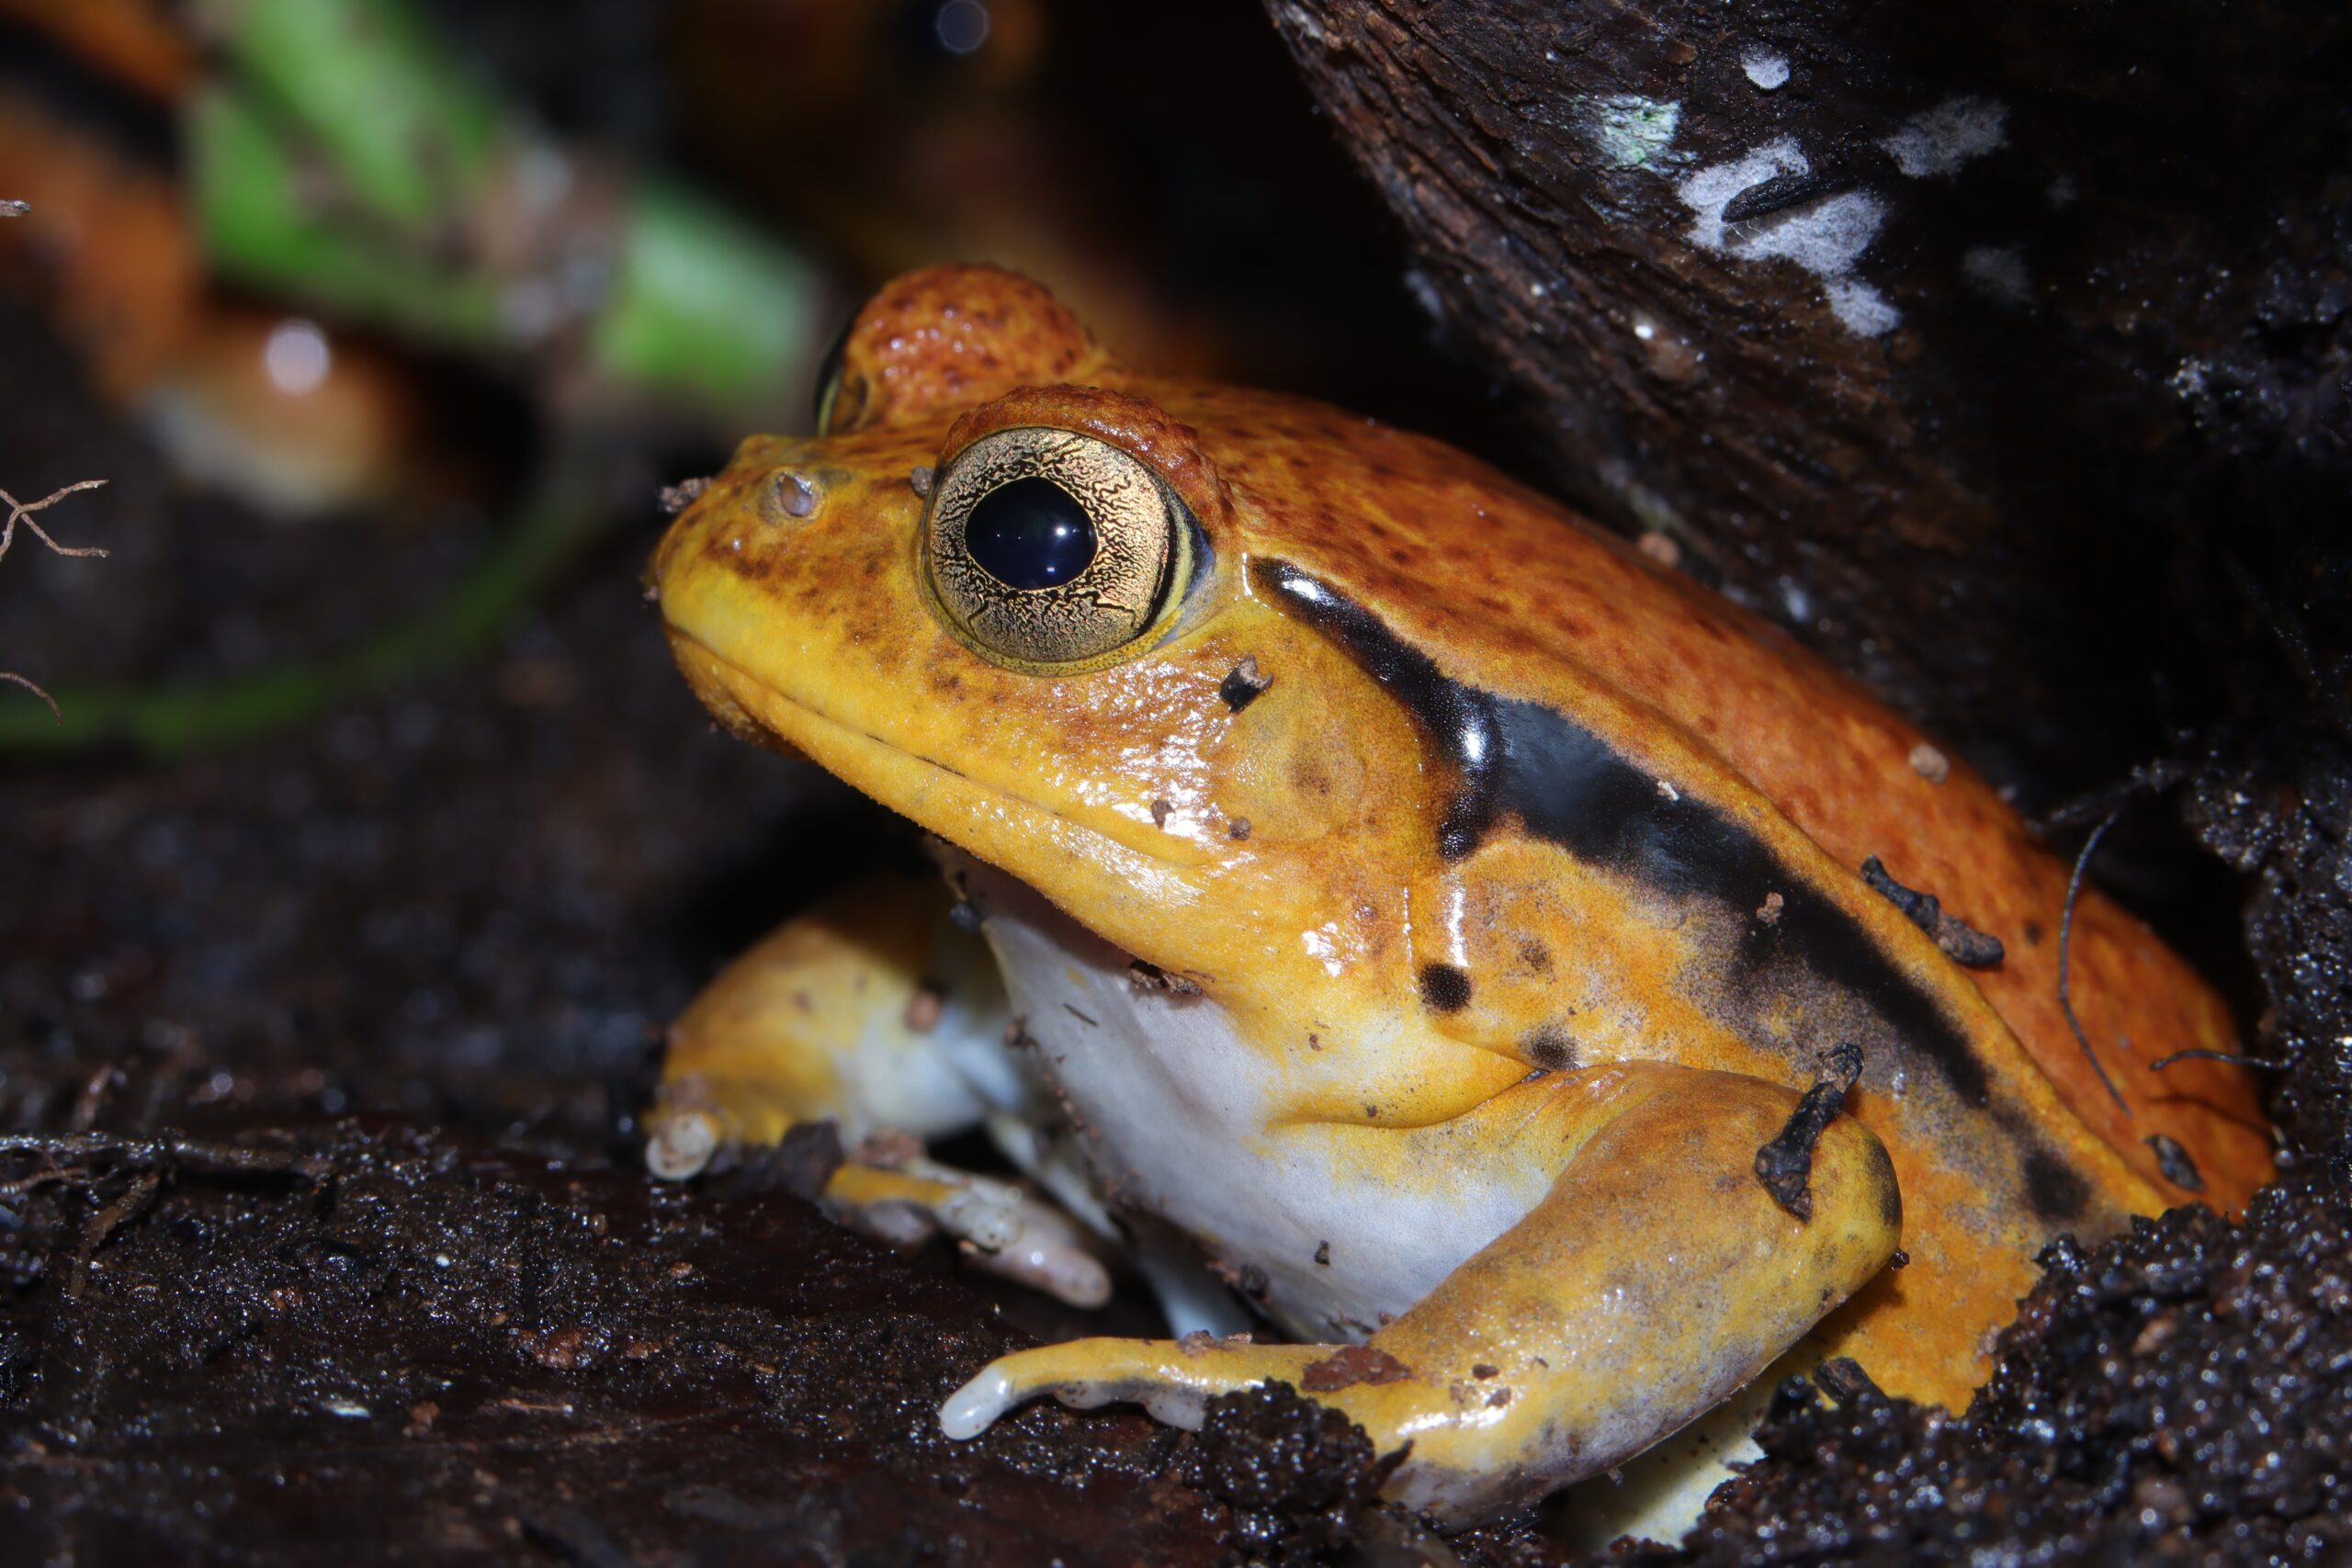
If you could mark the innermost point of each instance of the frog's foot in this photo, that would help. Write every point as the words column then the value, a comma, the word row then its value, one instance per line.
column 1658, row 1276
column 1174, row 1379
column 871, row 1011
column 1002, row 1227
column 699, row 1122
column 680, row 1143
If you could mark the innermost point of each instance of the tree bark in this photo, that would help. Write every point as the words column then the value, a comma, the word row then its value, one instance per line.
column 1991, row 349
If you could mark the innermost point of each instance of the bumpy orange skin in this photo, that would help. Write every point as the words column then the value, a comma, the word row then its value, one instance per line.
column 1121, row 793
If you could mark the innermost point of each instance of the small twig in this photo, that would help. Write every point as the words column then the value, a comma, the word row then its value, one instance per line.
column 1960, row 941
column 2066, row 940
column 169, row 1148
column 2200, row 1053
column 28, row 684
column 1785, row 1165
column 22, row 512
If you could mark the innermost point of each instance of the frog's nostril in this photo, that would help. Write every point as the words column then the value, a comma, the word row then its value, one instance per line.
column 790, row 495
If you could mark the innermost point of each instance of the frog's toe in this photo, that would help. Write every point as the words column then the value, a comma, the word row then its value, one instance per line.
column 1174, row 1380
column 680, row 1142
column 1050, row 1253
column 1012, row 1381
column 973, row 1408
column 1000, row 1228
column 697, row 1124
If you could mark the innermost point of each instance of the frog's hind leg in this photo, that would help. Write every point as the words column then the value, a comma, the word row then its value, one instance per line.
column 874, row 1012
column 1658, row 1276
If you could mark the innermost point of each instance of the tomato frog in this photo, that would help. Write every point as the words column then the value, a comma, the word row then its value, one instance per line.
column 1375, row 895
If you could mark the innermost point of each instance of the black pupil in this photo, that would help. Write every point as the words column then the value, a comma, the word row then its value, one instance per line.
column 1030, row 533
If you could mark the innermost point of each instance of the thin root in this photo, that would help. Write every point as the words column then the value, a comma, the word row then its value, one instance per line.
column 34, row 687
column 22, row 512
column 2201, row 1054
column 2065, row 939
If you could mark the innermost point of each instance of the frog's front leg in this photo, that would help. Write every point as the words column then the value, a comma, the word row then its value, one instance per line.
column 874, row 1012
column 1656, row 1277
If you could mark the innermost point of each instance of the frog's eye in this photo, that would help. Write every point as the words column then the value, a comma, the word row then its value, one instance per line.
column 1047, row 550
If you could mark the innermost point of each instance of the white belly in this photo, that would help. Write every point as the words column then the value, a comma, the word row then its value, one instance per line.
column 1171, row 1113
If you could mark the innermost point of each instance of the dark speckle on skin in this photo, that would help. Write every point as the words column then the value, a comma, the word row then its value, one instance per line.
column 1445, row 988
column 2057, row 1194
column 1323, row 1254
column 1551, row 1049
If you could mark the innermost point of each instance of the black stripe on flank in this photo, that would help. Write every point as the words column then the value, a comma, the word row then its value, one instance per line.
column 1568, row 786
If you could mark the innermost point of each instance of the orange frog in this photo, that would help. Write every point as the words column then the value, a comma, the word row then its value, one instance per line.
column 1368, row 880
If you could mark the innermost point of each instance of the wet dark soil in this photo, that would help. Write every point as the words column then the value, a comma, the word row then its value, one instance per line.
column 427, row 1345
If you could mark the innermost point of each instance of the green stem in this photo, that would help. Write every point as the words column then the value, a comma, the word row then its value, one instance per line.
column 346, row 161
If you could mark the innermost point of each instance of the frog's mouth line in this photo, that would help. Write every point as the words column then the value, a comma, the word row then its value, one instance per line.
column 933, row 796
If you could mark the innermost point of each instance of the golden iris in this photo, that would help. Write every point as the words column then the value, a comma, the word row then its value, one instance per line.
column 1047, row 550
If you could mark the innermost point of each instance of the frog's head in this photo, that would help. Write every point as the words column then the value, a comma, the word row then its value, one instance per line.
column 1062, row 615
